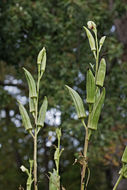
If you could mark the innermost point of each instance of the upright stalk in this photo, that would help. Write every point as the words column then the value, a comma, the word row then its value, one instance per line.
column 117, row 183
column 83, row 172
column 36, row 133
column 35, row 160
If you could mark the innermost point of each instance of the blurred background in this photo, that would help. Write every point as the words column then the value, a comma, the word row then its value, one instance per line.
column 27, row 26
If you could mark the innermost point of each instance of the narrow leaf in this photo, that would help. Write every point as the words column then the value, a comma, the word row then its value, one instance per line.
column 90, row 87
column 77, row 102
column 25, row 117
column 101, row 73
column 42, row 113
column 31, row 84
column 95, row 114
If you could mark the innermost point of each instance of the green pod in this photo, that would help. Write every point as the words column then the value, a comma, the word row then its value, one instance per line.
column 42, row 113
column 90, row 87
column 97, row 93
column 95, row 114
column 40, row 56
column 43, row 62
column 101, row 42
column 31, row 84
column 124, row 157
column 25, row 117
column 101, row 73
column 77, row 102
column 91, row 39
column 31, row 105
column 54, row 180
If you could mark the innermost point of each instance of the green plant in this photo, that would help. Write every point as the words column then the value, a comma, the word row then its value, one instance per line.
column 38, row 116
column 95, row 93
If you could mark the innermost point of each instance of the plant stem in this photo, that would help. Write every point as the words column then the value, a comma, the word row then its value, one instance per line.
column 35, row 133
column 97, row 56
column 35, row 160
column 117, row 183
column 85, row 159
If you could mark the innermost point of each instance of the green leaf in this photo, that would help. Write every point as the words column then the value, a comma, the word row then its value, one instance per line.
column 124, row 157
column 42, row 113
column 25, row 117
column 95, row 114
column 31, row 84
column 91, row 39
column 90, row 87
column 77, row 102
column 101, row 73
column 54, row 180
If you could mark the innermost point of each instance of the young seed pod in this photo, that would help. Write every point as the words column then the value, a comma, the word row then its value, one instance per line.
column 43, row 62
column 25, row 117
column 77, row 102
column 42, row 113
column 31, row 105
column 124, row 157
column 95, row 114
column 40, row 56
column 31, row 84
column 91, row 39
column 101, row 73
column 97, row 93
column 90, row 87
column 101, row 42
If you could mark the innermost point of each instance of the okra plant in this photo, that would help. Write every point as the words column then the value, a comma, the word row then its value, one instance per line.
column 38, row 116
column 95, row 95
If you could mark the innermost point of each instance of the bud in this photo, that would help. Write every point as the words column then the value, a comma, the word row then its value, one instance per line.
column 91, row 25
column 23, row 168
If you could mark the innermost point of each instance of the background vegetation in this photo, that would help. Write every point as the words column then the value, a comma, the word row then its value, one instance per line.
column 27, row 26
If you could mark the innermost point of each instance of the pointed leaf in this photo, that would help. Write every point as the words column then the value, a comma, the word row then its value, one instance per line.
column 25, row 117
column 95, row 114
column 101, row 73
column 42, row 113
column 77, row 102
column 90, row 87
column 31, row 84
